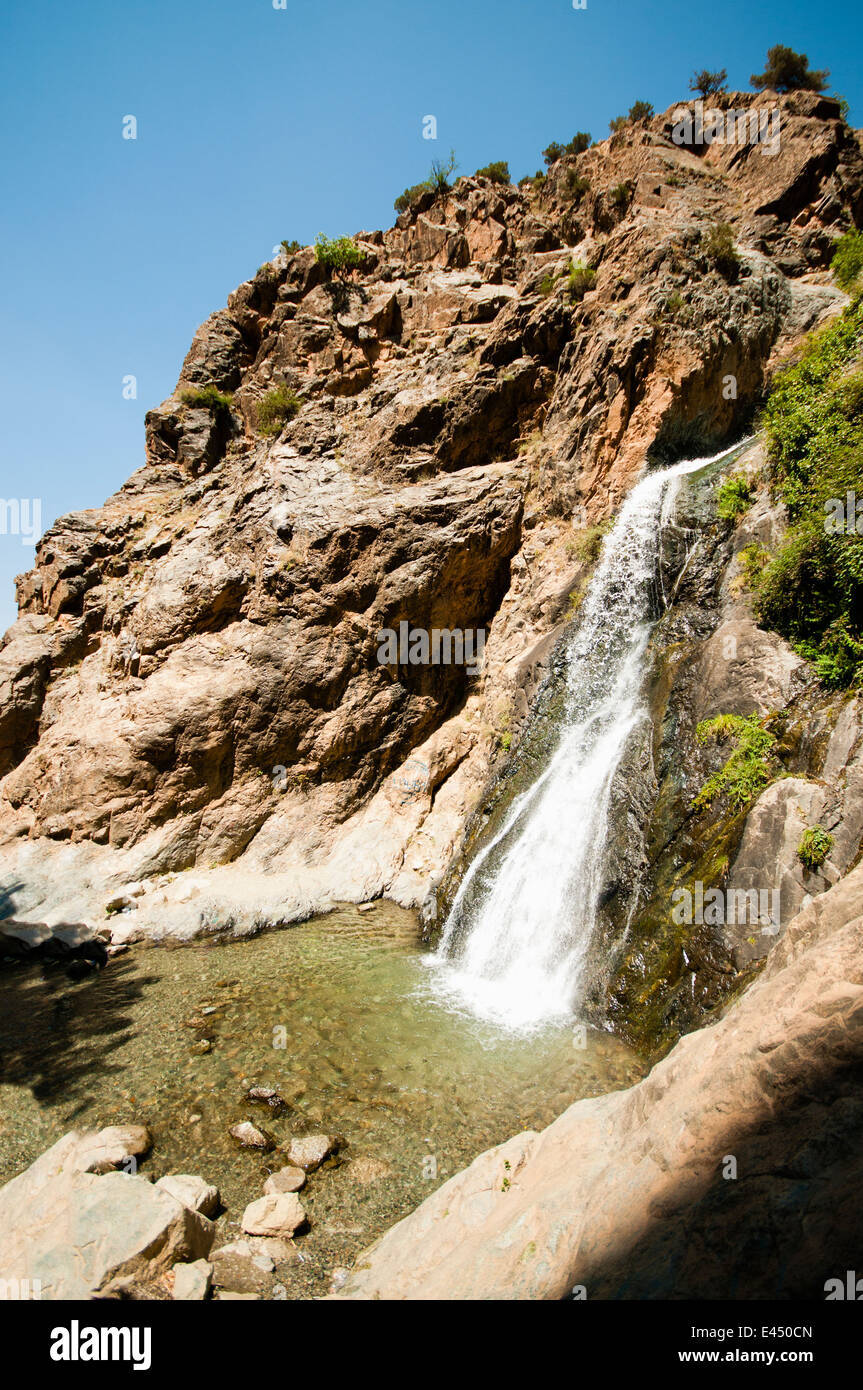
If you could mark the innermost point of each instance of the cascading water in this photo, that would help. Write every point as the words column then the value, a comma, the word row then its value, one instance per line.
column 514, row 946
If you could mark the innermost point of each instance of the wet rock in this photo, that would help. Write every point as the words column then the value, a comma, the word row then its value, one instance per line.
column 192, row 1191
column 368, row 1170
column 251, row 1137
column 192, row 1282
column 234, row 1269
column 287, row 1179
column 626, row 1194
column 309, row 1151
column 280, row 1214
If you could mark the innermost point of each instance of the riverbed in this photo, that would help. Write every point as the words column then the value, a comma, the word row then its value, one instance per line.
column 339, row 1015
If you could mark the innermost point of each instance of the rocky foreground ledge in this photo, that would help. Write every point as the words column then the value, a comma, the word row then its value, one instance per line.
column 631, row 1195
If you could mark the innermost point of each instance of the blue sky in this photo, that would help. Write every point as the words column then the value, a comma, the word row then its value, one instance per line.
column 254, row 124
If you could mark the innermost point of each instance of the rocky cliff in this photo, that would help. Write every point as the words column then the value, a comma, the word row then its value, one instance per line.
column 193, row 681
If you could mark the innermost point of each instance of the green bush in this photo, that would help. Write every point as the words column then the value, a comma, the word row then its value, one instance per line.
column 207, row 398
column 847, row 261
column 619, row 195
column 275, row 409
column 577, row 145
column 717, row 243
column 290, row 248
column 811, row 591
column 748, row 770
column 576, row 186
column 707, row 83
column 497, row 172
column 339, row 256
column 815, row 845
column 735, row 495
column 411, row 195
column 640, row 111
column 580, row 280
column 788, row 71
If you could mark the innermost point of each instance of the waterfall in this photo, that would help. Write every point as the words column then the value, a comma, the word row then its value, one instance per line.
column 514, row 946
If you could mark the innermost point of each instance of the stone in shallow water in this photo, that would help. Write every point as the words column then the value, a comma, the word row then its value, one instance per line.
column 288, row 1179
column 250, row 1136
column 192, row 1282
column 279, row 1214
column 234, row 1268
column 193, row 1192
column 310, row 1151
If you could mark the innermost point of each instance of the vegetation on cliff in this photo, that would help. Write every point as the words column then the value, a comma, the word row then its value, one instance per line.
column 811, row 589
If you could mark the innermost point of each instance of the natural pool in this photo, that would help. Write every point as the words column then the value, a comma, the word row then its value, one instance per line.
column 415, row 1089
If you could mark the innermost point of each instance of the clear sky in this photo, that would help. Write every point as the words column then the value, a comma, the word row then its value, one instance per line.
column 256, row 123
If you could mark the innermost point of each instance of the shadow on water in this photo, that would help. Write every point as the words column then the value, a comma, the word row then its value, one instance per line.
column 58, row 1036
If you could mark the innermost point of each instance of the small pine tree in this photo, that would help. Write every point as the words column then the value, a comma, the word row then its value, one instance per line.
column 788, row 71
column 707, row 83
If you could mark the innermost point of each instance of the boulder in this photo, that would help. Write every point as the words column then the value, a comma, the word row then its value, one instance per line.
column 80, row 1232
column 192, row 1281
column 193, row 1192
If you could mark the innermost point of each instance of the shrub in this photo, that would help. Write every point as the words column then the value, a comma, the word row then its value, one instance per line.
column 411, row 195
column 640, row 111
column 747, row 771
column 275, row 409
column 497, row 172
column 441, row 172
column 290, row 248
column 339, row 256
column 717, row 243
column 619, row 195
column 735, row 495
column 581, row 278
column 707, row 83
column 207, row 398
column 811, row 591
column 577, row 145
column 847, row 261
column 788, row 71
column 576, row 186
column 815, row 845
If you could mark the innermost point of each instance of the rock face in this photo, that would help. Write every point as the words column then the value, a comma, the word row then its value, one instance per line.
column 193, row 682
column 745, row 1139
column 81, row 1230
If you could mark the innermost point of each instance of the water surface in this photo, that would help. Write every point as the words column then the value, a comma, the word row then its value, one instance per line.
column 416, row 1089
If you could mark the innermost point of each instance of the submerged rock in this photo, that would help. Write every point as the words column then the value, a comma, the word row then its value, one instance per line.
column 310, row 1151
column 251, row 1137
column 279, row 1214
column 287, row 1179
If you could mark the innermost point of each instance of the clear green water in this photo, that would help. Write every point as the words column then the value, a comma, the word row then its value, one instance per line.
column 370, row 1055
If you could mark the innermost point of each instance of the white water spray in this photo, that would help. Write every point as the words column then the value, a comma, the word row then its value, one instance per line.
column 514, row 946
